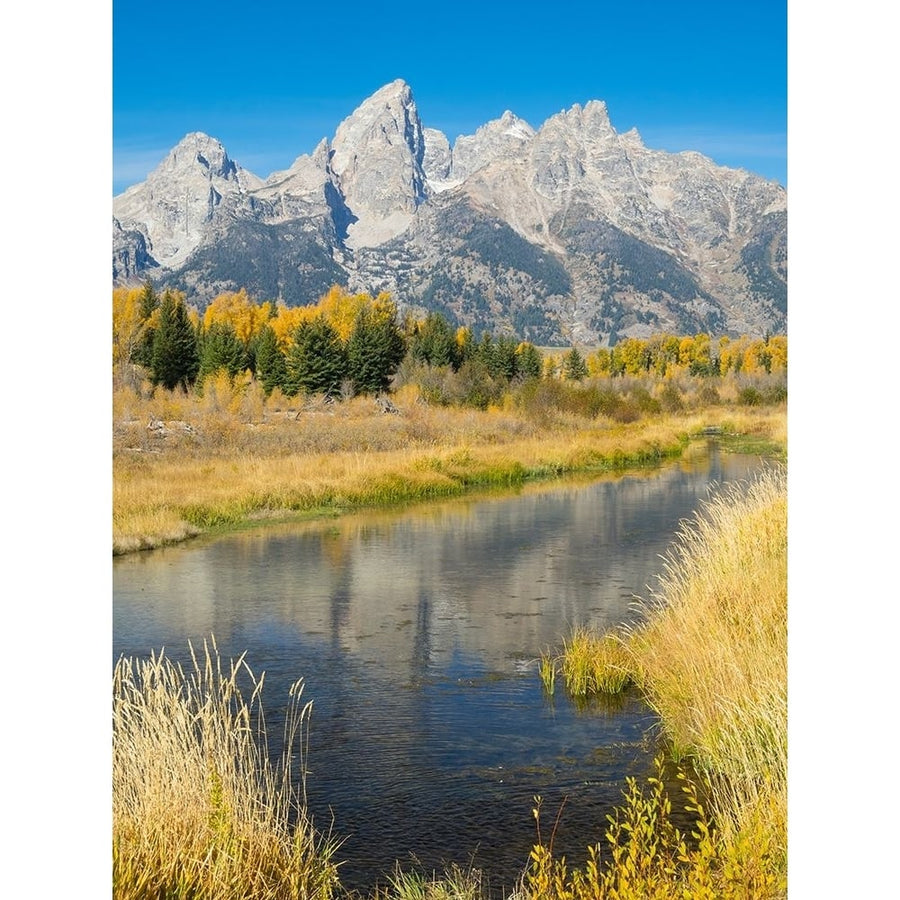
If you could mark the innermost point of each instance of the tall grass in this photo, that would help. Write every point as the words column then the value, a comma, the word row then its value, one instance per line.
column 455, row 883
column 199, row 809
column 712, row 652
column 710, row 656
column 593, row 663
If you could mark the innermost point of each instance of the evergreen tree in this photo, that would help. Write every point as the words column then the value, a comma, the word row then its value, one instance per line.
column 149, row 303
column 271, row 368
column 483, row 352
column 221, row 349
column 317, row 362
column 433, row 342
column 174, row 360
column 504, row 362
column 374, row 350
column 574, row 366
column 528, row 363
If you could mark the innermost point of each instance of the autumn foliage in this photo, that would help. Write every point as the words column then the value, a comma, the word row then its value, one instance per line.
column 346, row 344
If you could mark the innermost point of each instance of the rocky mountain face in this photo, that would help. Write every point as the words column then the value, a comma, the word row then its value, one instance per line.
column 569, row 233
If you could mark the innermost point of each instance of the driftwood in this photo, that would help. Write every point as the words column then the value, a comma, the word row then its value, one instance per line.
column 163, row 429
column 386, row 406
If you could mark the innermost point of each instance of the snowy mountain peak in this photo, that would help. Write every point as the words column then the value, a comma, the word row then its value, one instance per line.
column 570, row 232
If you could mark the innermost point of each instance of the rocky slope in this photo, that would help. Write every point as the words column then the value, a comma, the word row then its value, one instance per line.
column 571, row 232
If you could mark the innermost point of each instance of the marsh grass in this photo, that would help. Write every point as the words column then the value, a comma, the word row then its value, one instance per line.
column 594, row 663
column 710, row 656
column 713, row 647
column 199, row 809
column 183, row 463
column 547, row 672
column 456, row 883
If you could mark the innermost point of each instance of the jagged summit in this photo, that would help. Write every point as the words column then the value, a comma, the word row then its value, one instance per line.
column 180, row 199
column 377, row 155
column 568, row 231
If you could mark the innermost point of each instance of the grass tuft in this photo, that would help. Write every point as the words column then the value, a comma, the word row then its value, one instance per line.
column 455, row 884
column 199, row 810
column 595, row 664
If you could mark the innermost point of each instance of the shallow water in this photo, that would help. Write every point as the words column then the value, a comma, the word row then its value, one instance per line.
column 417, row 633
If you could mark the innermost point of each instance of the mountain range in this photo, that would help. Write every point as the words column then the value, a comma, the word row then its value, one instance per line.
column 571, row 233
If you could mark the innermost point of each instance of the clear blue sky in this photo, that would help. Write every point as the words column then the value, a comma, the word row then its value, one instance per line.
column 272, row 78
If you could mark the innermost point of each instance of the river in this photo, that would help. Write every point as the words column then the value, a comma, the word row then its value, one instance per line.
column 417, row 633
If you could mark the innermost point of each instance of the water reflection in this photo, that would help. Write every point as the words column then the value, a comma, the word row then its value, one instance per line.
column 417, row 633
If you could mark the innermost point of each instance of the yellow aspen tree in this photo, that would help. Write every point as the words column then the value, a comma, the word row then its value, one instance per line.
column 383, row 309
column 632, row 355
column 599, row 362
column 701, row 355
column 670, row 348
column 128, row 325
column 286, row 321
column 737, row 350
column 778, row 353
column 341, row 309
column 754, row 357
column 726, row 354
column 238, row 310
column 552, row 366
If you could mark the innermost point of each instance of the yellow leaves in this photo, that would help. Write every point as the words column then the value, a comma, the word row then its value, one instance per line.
column 286, row 322
column 631, row 355
column 339, row 308
column 778, row 352
column 465, row 340
column 238, row 310
column 599, row 362
column 127, row 324
column 651, row 859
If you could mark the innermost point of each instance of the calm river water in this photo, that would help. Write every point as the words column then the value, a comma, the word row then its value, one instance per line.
column 417, row 633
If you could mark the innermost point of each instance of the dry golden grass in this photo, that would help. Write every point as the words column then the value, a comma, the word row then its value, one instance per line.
column 713, row 651
column 198, row 809
column 711, row 658
column 185, row 463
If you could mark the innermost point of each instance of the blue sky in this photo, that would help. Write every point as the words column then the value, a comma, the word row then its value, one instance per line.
column 271, row 79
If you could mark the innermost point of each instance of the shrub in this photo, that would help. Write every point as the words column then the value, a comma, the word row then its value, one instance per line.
column 749, row 396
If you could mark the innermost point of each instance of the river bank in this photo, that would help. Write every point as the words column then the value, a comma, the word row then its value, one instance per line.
column 336, row 618
column 185, row 466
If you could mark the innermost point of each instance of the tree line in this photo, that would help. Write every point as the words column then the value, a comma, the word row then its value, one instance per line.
column 355, row 343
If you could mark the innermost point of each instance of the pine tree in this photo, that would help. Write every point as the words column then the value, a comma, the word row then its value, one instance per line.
column 374, row 350
column 149, row 303
column 174, row 360
column 221, row 349
column 434, row 343
column 528, row 363
column 317, row 361
column 574, row 366
column 271, row 368
column 504, row 362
